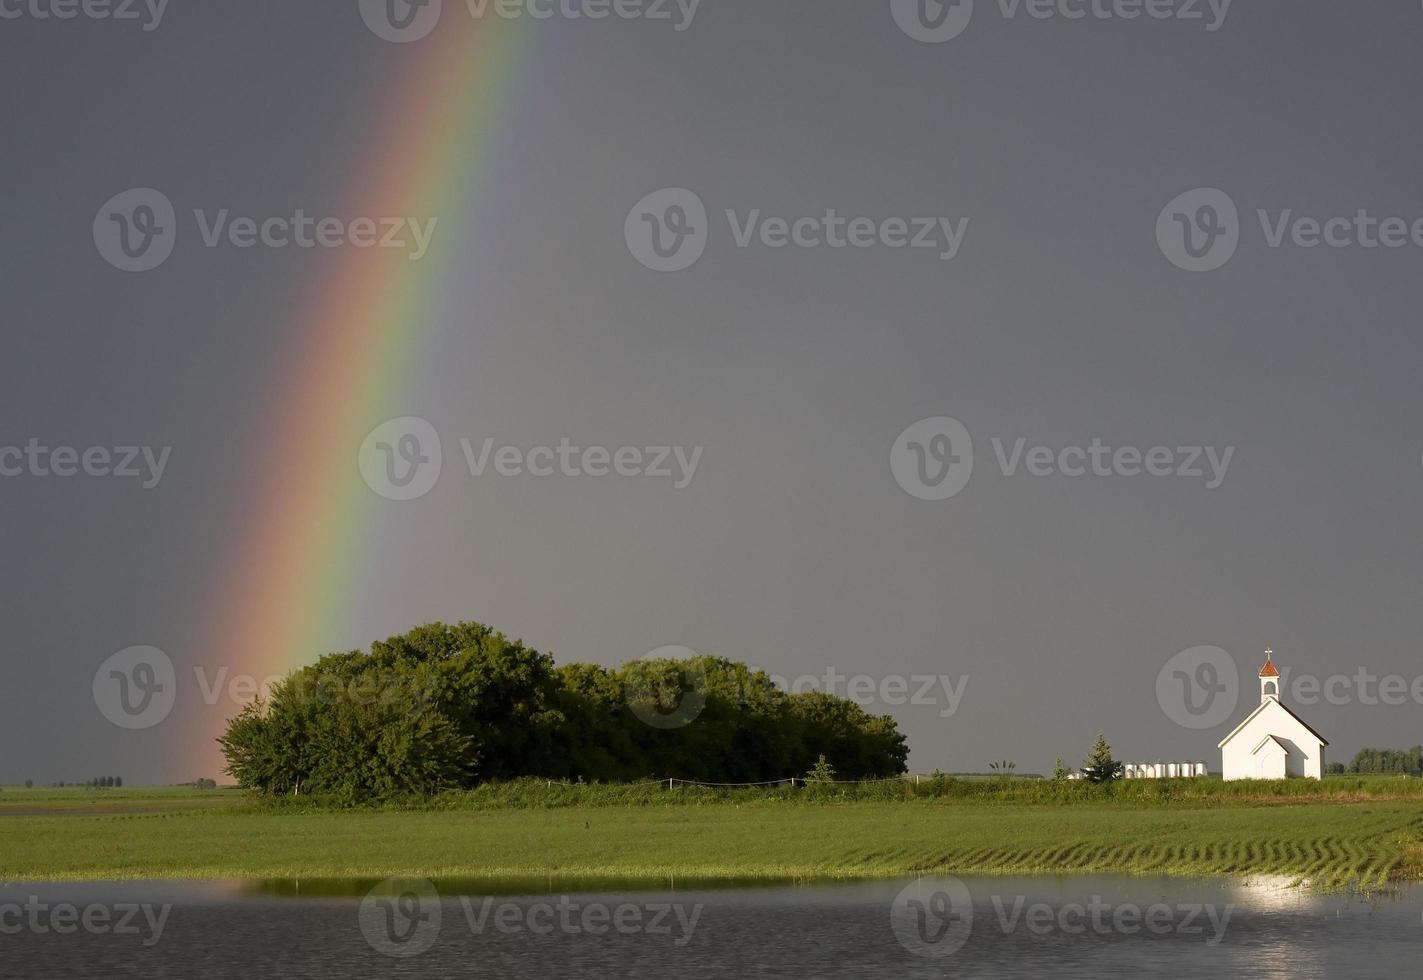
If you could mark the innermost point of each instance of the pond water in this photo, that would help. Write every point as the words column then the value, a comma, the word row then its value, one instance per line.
column 1065, row 927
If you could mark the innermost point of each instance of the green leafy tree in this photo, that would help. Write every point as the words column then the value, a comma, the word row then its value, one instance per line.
column 856, row 743
column 599, row 737
column 1408, row 761
column 453, row 706
column 1059, row 771
column 822, row 773
column 1100, row 766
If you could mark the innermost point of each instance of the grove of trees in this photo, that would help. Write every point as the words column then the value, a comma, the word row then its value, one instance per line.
column 1408, row 761
column 447, row 707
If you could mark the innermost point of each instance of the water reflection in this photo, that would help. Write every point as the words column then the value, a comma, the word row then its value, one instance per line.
column 504, row 885
column 1064, row 926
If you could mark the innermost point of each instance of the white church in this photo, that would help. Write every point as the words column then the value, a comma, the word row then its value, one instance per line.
column 1272, row 742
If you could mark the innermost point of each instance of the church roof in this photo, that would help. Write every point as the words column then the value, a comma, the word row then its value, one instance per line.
column 1269, row 669
column 1270, row 738
column 1268, row 701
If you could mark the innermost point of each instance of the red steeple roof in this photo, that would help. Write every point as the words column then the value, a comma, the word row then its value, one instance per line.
column 1269, row 669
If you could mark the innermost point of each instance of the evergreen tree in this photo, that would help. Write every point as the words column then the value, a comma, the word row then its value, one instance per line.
column 1100, row 766
column 823, row 772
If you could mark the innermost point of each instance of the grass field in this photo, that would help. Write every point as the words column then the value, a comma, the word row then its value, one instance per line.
column 1355, row 838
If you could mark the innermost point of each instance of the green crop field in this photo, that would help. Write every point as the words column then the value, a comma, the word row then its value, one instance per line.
column 1344, row 833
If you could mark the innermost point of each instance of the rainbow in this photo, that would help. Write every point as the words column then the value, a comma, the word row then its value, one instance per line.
column 354, row 349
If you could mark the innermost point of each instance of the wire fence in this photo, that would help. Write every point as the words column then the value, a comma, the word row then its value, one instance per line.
column 672, row 782
column 792, row 781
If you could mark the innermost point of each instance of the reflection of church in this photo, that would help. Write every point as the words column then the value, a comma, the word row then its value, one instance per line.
column 1272, row 742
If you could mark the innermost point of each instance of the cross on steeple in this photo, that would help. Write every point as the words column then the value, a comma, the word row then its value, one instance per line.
column 1269, row 678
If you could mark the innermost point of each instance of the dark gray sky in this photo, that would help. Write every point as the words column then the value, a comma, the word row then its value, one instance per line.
column 1060, row 320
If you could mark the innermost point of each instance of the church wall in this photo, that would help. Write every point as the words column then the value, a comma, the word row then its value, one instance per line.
column 1306, row 758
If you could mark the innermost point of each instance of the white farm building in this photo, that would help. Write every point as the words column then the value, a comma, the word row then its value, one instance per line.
column 1272, row 742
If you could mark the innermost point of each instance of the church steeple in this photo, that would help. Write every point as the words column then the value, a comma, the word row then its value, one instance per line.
column 1269, row 679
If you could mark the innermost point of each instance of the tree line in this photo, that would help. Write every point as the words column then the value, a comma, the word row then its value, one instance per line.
column 1409, row 761
column 450, row 707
